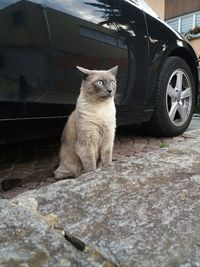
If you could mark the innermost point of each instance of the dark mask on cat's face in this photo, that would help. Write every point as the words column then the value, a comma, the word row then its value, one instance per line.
column 100, row 84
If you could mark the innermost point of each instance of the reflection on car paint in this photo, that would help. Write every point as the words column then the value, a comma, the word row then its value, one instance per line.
column 44, row 53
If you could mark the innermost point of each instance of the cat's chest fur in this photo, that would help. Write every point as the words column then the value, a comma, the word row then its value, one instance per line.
column 100, row 114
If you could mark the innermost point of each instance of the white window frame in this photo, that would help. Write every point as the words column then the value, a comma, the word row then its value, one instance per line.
column 179, row 18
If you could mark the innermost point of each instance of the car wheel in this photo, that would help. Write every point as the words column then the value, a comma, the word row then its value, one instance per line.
column 174, row 99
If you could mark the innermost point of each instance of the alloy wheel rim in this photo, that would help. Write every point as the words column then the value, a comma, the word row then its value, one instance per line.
column 179, row 97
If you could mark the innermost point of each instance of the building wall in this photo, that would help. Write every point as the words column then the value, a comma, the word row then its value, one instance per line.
column 174, row 8
column 158, row 6
column 196, row 45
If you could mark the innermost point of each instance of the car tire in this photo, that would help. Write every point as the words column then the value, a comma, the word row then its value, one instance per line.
column 174, row 99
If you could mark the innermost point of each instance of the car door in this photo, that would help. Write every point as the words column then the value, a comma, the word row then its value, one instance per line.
column 135, row 32
column 39, row 56
column 11, row 101
column 99, row 34
column 84, row 34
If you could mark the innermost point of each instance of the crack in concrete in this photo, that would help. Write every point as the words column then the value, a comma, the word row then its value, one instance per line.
column 77, row 243
column 96, row 258
column 94, row 255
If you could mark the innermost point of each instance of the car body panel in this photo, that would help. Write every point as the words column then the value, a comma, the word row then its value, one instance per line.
column 169, row 43
column 38, row 59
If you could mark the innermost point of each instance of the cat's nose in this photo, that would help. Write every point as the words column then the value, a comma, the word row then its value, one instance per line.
column 109, row 90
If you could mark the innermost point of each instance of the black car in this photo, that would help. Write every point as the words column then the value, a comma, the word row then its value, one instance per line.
column 42, row 42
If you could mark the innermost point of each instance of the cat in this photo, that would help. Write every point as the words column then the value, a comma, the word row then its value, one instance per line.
column 88, row 136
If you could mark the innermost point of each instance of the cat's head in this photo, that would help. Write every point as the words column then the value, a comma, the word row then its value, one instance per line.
column 99, row 84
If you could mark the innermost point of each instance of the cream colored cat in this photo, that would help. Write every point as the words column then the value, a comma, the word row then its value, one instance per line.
column 88, row 137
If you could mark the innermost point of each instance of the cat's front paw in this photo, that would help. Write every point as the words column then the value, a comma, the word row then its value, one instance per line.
column 63, row 175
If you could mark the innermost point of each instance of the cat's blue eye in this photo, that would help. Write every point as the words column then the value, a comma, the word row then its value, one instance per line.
column 100, row 82
column 112, row 83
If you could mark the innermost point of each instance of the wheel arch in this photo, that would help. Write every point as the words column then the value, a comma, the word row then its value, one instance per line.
column 159, row 123
column 183, row 53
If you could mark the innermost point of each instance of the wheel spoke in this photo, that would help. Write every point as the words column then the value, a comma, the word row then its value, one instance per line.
column 186, row 93
column 183, row 113
column 173, row 110
column 171, row 91
column 179, row 80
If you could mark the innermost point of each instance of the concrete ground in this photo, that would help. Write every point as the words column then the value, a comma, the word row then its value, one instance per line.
column 30, row 165
column 195, row 123
column 140, row 211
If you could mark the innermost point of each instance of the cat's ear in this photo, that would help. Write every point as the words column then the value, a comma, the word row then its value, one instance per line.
column 84, row 72
column 114, row 70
